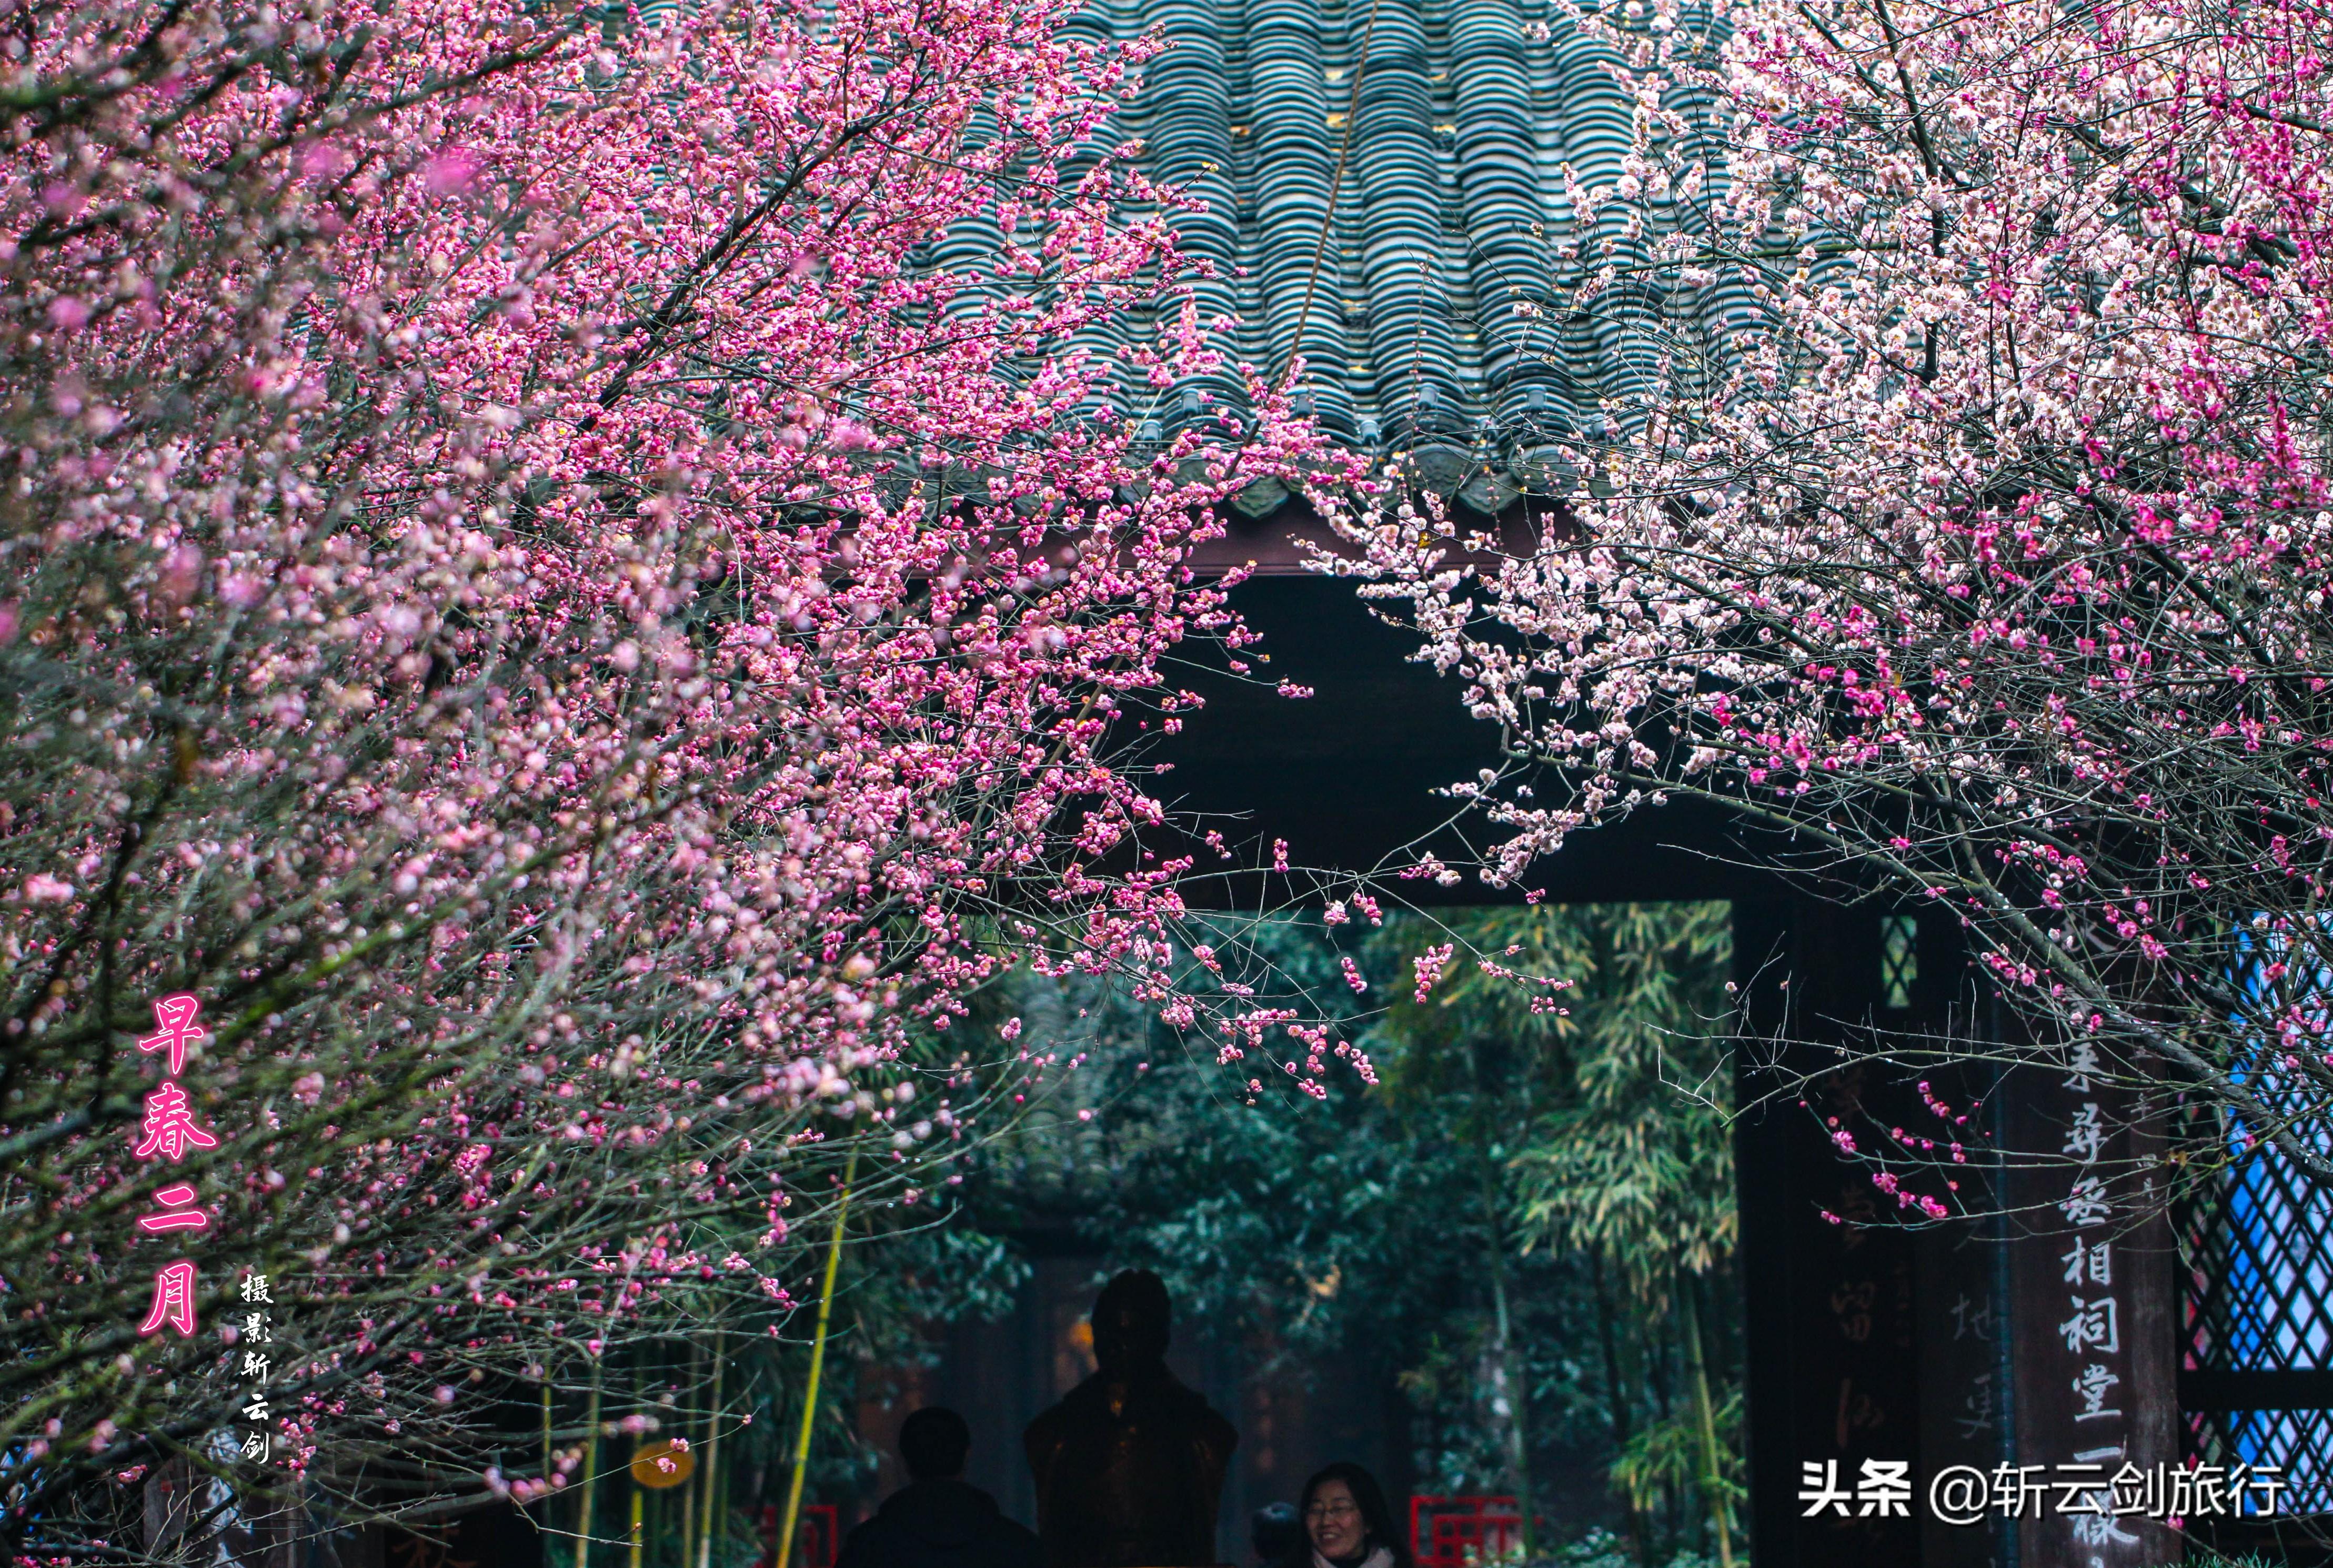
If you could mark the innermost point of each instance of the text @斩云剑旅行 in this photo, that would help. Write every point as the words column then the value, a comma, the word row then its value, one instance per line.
column 2086, row 1491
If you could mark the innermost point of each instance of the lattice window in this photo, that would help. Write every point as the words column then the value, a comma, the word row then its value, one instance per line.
column 2258, row 1282
column 2259, row 1300
column 1899, row 959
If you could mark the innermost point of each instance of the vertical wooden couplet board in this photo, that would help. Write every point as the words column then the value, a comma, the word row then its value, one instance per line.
column 1967, row 1404
column 2034, row 1337
column 2091, row 1276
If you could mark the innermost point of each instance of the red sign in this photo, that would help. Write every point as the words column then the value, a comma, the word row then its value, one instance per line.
column 1452, row 1532
column 818, row 1540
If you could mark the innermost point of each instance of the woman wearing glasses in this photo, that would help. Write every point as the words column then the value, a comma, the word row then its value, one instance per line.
column 1347, row 1523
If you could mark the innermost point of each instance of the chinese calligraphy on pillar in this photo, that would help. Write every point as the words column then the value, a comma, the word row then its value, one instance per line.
column 2094, row 1356
column 2093, row 1331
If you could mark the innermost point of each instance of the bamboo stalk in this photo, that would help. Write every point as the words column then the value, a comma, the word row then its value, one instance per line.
column 716, row 1516
column 688, row 1494
column 591, row 1466
column 1706, row 1417
column 1510, row 1394
column 1615, row 1393
column 817, row 1365
column 639, row 1498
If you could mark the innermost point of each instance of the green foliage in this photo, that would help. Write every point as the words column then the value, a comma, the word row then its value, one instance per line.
column 1511, row 1199
column 1637, row 1162
column 1665, row 1457
column 1603, row 1549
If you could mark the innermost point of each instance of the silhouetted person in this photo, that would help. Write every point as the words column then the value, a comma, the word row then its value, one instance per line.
column 1129, row 1466
column 1275, row 1532
column 937, row 1520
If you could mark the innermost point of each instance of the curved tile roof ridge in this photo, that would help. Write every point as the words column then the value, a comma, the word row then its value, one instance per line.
column 1427, row 284
column 1385, row 196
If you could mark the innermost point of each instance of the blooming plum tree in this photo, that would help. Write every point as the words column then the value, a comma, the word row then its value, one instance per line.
column 535, row 598
column 1968, row 520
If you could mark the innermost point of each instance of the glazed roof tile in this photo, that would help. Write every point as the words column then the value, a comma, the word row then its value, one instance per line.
column 1433, row 314
column 1434, row 305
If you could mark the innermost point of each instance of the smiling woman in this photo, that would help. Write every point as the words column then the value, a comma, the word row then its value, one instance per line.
column 1347, row 1523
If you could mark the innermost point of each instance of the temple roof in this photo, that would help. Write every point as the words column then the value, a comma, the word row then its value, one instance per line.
column 1435, row 318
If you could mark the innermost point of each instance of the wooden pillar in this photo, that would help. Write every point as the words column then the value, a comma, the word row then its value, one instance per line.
column 1870, row 1341
column 1832, row 1309
column 1967, row 1413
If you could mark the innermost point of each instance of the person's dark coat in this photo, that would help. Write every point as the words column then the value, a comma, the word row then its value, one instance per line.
column 947, row 1524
